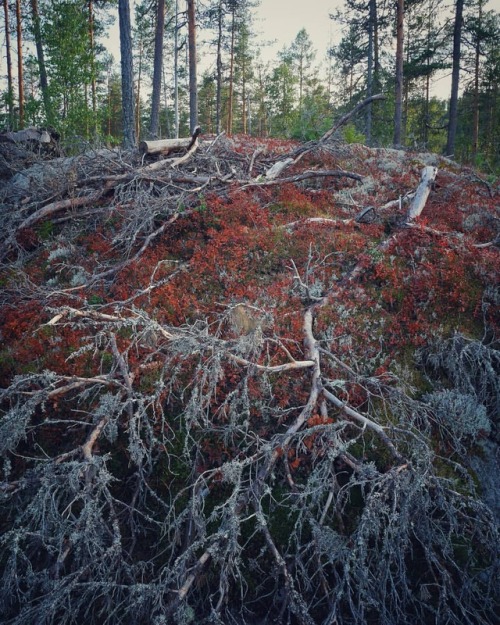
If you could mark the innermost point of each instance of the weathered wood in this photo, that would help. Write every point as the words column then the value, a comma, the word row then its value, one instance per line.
column 175, row 162
column 424, row 188
column 280, row 166
column 273, row 172
column 303, row 176
column 345, row 118
column 164, row 146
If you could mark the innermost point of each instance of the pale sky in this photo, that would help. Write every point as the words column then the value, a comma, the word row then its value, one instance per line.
column 282, row 20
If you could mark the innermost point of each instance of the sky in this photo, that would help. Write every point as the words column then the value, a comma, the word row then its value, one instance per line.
column 281, row 20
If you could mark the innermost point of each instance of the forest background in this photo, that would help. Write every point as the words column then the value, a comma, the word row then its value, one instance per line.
column 59, row 71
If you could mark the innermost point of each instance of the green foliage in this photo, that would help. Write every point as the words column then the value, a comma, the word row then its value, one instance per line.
column 351, row 135
column 45, row 230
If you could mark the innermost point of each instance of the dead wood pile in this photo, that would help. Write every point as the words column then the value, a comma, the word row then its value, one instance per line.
column 156, row 187
column 150, row 190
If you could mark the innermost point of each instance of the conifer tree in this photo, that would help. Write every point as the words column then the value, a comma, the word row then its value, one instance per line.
column 158, row 66
column 398, row 105
column 129, row 136
column 44, row 84
column 193, row 83
column 10, row 81
column 455, row 77
column 20, row 77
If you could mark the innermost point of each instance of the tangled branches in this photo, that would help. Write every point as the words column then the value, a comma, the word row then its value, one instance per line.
column 196, row 428
column 186, row 486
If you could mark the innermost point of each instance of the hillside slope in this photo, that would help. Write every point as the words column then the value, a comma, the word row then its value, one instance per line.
column 241, row 385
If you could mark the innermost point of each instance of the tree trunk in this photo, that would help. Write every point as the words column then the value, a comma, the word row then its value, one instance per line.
column 176, row 73
column 218, row 97
column 10, row 82
column 262, row 119
column 424, row 188
column 20, row 76
column 376, row 54
column 369, row 79
column 455, row 79
column 243, row 96
column 193, row 85
column 164, row 146
column 231, row 77
column 475, row 113
column 166, row 132
column 127, row 73
column 93, row 84
column 398, row 110
column 44, row 85
column 137, row 119
column 158, row 65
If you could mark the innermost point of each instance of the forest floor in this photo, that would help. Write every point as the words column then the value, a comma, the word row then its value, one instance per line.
column 261, row 373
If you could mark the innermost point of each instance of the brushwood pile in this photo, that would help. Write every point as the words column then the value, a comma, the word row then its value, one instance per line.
column 241, row 385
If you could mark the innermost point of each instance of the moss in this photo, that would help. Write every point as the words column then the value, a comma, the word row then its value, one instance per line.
column 45, row 230
column 95, row 300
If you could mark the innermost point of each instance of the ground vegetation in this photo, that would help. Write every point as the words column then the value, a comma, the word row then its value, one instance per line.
column 254, row 381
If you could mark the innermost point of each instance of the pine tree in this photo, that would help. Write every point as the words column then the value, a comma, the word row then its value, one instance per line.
column 398, row 107
column 358, row 55
column 158, row 67
column 426, row 54
column 129, row 136
column 20, row 77
column 193, row 83
column 455, row 78
column 10, row 81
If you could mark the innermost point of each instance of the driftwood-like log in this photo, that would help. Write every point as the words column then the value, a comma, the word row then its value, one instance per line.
column 304, row 176
column 424, row 188
column 164, row 146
